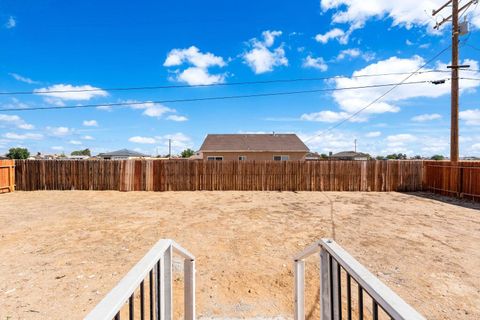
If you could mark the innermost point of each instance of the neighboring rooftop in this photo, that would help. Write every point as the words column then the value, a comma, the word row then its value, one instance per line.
column 350, row 154
column 253, row 142
column 123, row 153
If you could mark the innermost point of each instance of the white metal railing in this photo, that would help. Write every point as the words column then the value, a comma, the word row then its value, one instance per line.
column 333, row 258
column 156, row 267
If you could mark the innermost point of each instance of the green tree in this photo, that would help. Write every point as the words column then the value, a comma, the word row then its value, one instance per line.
column 187, row 153
column 437, row 157
column 380, row 157
column 18, row 153
column 395, row 156
column 85, row 152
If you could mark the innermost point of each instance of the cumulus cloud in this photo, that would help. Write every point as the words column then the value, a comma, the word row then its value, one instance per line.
column 197, row 73
column 90, row 123
column 400, row 139
column 71, row 92
column 373, row 134
column 175, row 117
column 329, row 116
column 15, row 121
column 405, row 13
column 11, row 23
column 142, row 140
column 25, row 136
column 57, row 148
column 59, row 131
column 20, row 78
column 87, row 137
column 316, row 63
column 262, row 57
column 426, row 117
column 336, row 33
column 471, row 117
column 352, row 53
column 75, row 142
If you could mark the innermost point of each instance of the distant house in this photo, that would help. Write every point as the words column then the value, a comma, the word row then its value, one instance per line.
column 350, row 155
column 253, row 147
column 313, row 156
column 122, row 154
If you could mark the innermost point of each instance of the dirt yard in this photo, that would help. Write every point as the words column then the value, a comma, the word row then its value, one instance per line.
column 61, row 252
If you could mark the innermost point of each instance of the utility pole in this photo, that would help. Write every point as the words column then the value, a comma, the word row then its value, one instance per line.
column 355, row 142
column 169, row 148
column 454, row 150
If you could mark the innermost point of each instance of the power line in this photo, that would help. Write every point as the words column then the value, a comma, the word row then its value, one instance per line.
column 281, row 93
column 44, row 92
column 380, row 97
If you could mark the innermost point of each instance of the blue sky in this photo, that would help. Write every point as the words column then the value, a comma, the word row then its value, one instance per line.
column 59, row 45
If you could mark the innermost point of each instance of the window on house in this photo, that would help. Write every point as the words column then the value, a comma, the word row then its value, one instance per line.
column 281, row 158
column 242, row 158
column 215, row 158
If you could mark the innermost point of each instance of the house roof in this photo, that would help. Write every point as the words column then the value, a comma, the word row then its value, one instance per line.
column 122, row 153
column 349, row 154
column 253, row 142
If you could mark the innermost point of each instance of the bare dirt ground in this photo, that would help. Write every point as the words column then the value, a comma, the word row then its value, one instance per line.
column 61, row 252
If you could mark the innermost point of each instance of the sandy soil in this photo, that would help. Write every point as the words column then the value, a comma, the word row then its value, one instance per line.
column 61, row 252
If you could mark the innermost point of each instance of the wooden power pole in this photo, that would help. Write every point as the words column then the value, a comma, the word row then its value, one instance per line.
column 454, row 149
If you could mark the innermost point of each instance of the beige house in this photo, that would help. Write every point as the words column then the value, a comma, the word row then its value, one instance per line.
column 273, row 146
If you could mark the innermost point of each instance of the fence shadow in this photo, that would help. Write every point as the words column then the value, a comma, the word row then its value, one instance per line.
column 465, row 203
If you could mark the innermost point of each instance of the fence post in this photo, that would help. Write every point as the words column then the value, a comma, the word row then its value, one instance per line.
column 299, row 290
column 325, row 285
column 189, row 290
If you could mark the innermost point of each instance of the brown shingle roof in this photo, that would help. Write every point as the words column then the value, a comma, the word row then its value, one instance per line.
column 253, row 142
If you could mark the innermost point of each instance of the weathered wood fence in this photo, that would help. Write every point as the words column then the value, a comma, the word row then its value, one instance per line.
column 7, row 176
column 459, row 180
column 184, row 175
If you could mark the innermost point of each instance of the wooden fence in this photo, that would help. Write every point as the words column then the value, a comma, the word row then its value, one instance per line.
column 7, row 176
column 459, row 180
column 184, row 175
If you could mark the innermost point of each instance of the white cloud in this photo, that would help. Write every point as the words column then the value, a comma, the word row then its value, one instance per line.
column 177, row 118
column 16, row 121
column 26, row 136
column 403, row 13
column 179, row 142
column 261, row 57
column 316, row 63
column 59, row 131
column 87, row 137
column 193, row 56
column 70, row 92
column 75, row 142
column 336, row 33
column 471, row 117
column 20, row 78
column 373, row 134
column 195, row 76
column 329, row 116
column 90, row 123
column 409, row 43
column 105, row 108
column 426, row 117
column 197, row 73
column 57, row 148
column 142, row 140
column 11, row 23
column 401, row 139
column 352, row 53
column 150, row 108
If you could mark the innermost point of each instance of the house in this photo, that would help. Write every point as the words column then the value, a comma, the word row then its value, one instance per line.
column 253, row 147
column 122, row 154
column 350, row 155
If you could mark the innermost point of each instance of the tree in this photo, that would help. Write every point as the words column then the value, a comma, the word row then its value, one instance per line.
column 395, row 156
column 187, row 153
column 18, row 153
column 437, row 157
column 417, row 157
column 85, row 152
column 380, row 157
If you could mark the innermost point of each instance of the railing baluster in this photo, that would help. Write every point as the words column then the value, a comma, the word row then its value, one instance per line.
column 324, row 284
column 339, row 290
column 299, row 290
column 142, row 301
column 349, row 296
column 167, row 288
column 150, row 288
column 374, row 309
column 157, row 284
column 189, row 289
column 131, row 306
column 360, row 302
column 330, row 278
